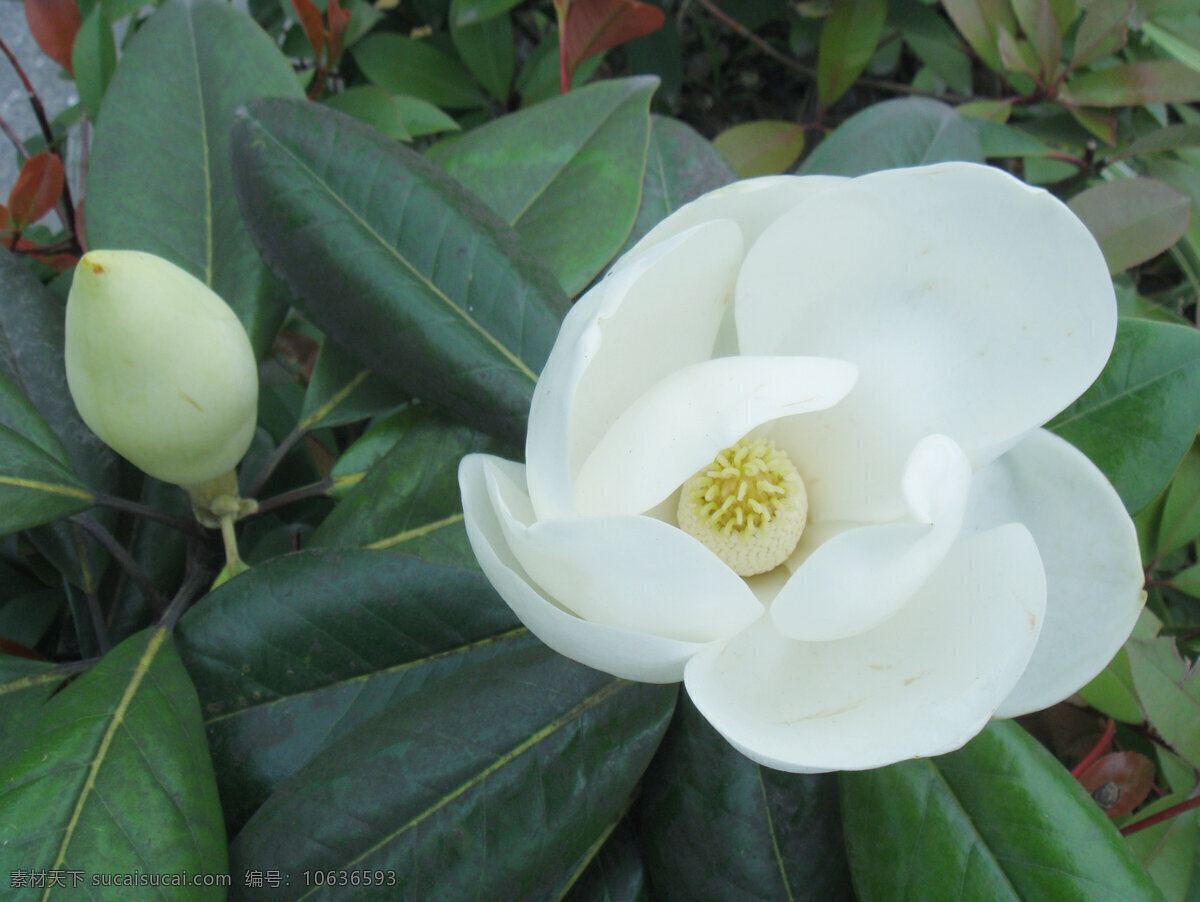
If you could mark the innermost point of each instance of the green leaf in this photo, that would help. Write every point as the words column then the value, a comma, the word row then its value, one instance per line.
column 895, row 133
column 1173, row 43
column 497, row 783
column 566, row 173
column 112, row 775
column 979, row 22
column 1180, row 522
column 305, row 648
column 934, row 41
column 680, row 166
column 848, row 40
column 717, row 826
column 1139, row 417
column 1173, row 137
column 24, row 687
column 408, row 501
column 1102, row 31
column 342, row 391
column 486, row 47
column 1037, row 20
column 1170, row 694
column 374, row 106
column 1168, row 849
column 764, row 147
column 1133, row 84
column 159, row 176
column 1000, row 819
column 402, row 65
column 93, row 60
column 394, row 260
column 468, row 12
column 1111, row 692
column 368, row 449
column 420, row 117
column 615, row 873
column 1133, row 219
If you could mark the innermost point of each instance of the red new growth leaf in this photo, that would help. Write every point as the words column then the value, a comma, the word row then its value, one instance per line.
column 310, row 21
column 336, row 36
column 53, row 24
column 36, row 191
column 594, row 26
column 1119, row 782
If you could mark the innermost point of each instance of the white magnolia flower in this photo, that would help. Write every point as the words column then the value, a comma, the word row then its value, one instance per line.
column 868, row 360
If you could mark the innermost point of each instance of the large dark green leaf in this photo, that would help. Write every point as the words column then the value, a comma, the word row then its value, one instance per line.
column 112, row 775
column 410, row 273
column 716, row 826
column 1000, row 820
column 408, row 500
column 306, row 647
column 24, row 685
column 497, row 783
column 565, row 173
column 342, row 391
column 911, row 131
column 615, row 873
column 159, row 178
column 1139, row 417
column 680, row 166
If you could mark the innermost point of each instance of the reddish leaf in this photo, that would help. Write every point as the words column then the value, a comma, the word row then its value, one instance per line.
column 310, row 21
column 339, row 19
column 594, row 26
column 37, row 189
column 53, row 24
column 1119, row 782
column 12, row 647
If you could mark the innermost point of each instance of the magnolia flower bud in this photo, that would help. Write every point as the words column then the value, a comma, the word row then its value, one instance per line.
column 159, row 367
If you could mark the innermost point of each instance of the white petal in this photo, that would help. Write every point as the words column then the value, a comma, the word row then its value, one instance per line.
column 623, row 653
column 631, row 572
column 681, row 423
column 975, row 306
column 859, row 578
column 922, row 684
column 752, row 203
column 623, row 336
column 1089, row 547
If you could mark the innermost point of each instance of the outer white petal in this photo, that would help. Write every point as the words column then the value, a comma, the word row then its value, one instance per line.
column 752, row 203
column 921, row 684
column 623, row 336
column 1089, row 547
column 682, row 422
column 859, row 578
column 636, row 573
column 975, row 306
column 623, row 653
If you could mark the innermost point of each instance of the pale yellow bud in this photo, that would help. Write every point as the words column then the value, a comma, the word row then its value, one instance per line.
column 159, row 366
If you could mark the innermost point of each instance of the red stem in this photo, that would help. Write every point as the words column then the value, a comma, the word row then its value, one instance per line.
column 1097, row 750
column 1163, row 815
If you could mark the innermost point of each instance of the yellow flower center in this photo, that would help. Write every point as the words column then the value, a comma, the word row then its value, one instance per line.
column 748, row 507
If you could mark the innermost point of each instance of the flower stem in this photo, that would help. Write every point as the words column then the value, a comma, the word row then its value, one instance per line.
column 121, row 556
column 1161, row 816
column 1097, row 750
column 183, row 524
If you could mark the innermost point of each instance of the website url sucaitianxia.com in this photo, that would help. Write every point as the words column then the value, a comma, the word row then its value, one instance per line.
column 73, row 879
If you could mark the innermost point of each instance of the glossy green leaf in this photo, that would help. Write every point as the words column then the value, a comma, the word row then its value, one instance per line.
column 368, row 449
column 1180, row 521
column 396, row 262
column 1168, row 849
column 93, row 60
column 308, row 646
column 468, row 12
column 373, row 106
column 416, row 68
column 1000, row 819
column 848, row 40
column 895, row 133
column 763, row 147
column 159, row 176
column 1133, row 219
column 1140, row 415
column 680, row 166
column 615, row 873
column 1132, row 84
column 1173, row 137
column 716, row 826
column 1102, row 31
column 409, row 501
column 933, row 41
column 1111, row 692
column 24, row 687
column 112, row 775
column 978, row 21
column 486, row 48
column 1170, row 694
column 1175, row 44
column 342, row 391
column 566, row 173
column 496, row 783
column 27, row 617
column 420, row 117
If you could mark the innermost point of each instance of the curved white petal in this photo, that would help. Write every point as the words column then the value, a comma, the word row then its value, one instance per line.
column 635, row 573
column 1089, row 547
column 683, row 421
column 631, row 330
column 921, row 684
column 859, row 578
column 752, row 203
column 623, row 653
column 975, row 306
